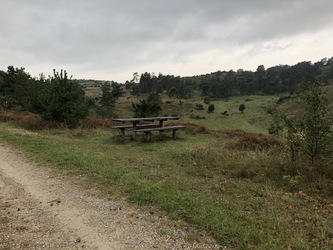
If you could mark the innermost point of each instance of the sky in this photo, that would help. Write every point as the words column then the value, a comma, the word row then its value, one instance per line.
column 113, row 39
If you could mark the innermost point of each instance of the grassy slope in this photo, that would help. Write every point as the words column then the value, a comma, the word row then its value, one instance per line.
column 237, row 194
column 254, row 119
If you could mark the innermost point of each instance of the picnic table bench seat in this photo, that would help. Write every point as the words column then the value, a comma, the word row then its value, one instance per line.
column 142, row 126
column 148, row 131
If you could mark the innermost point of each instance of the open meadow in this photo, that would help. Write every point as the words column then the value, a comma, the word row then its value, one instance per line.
column 254, row 119
column 224, row 174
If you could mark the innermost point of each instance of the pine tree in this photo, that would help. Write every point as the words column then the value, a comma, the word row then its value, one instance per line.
column 63, row 100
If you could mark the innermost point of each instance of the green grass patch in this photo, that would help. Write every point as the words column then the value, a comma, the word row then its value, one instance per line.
column 216, row 182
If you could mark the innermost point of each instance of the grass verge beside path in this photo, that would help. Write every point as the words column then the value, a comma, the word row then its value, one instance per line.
column 237, row 195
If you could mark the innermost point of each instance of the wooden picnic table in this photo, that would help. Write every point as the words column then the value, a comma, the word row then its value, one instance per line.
column 147, row 128
column 135, row 121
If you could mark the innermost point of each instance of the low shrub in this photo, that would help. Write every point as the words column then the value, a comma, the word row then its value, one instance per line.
column 34, row 123
column 5, row 116
column 25, row 120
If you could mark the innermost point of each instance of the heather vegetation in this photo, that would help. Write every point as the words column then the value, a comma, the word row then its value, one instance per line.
column 254, row 167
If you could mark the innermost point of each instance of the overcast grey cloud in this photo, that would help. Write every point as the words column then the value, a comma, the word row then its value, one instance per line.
column 112, row 39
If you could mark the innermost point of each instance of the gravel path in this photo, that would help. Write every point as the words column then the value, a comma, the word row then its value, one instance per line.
column 41, row 209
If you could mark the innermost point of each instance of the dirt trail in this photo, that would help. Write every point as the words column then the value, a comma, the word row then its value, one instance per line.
column 41, row 209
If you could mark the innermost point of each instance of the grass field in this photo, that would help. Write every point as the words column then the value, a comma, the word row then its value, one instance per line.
column 238, row 186
column 255, row 117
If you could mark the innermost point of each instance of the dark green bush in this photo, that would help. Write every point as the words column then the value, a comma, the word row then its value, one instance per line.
column 63, row 100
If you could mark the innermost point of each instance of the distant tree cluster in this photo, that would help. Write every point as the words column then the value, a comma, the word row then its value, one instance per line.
column 278, row 79
column 174, row 86
column 152, row 85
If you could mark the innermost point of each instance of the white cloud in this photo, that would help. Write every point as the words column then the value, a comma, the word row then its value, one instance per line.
column 112, row 39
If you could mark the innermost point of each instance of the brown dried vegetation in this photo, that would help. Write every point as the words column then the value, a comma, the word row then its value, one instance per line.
column 251, row 141
column 26, row 120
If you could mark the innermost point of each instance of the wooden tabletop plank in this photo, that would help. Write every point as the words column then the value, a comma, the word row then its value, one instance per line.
column 158, row 118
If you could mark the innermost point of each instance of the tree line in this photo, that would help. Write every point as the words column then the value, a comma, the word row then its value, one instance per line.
column 174, row 86
column 221, row 84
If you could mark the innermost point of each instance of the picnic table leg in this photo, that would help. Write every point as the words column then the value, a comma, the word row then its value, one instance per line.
column 174, row 133
column 122, row 130
column 161, row 134
column 134, row 128
column 148, row 136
